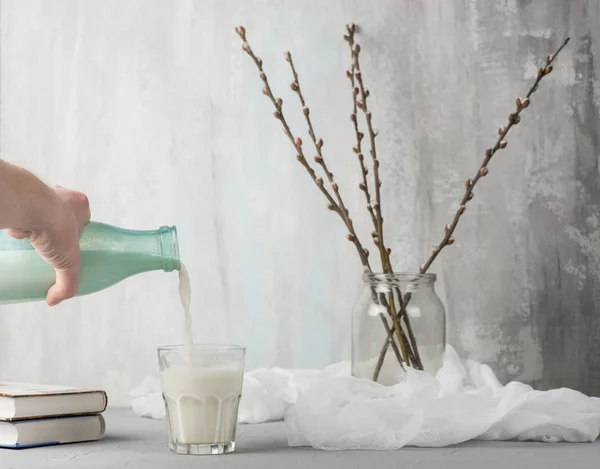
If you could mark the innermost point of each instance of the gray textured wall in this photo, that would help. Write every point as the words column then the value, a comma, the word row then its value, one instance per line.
column 151, row 108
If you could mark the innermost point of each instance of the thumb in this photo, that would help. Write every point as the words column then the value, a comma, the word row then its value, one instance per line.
column 18, row 234
column 66, row 286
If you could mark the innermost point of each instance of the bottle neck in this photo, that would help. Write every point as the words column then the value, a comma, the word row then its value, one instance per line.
column 169, row 245
column 158, row 249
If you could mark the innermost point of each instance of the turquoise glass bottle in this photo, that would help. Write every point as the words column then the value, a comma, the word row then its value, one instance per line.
column 108, row 255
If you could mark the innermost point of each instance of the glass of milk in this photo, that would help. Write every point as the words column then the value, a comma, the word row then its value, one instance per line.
column 202, row 387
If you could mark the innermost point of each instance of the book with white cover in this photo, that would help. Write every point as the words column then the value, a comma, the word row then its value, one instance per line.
column 18, row 434
column 20, row 401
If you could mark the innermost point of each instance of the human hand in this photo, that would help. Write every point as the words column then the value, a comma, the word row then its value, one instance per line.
column 57, row 240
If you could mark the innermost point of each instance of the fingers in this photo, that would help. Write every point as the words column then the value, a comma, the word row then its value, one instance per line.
column 67, row 280
column 78, row 202
column 83, row 206
column 59, row 243
column 81, row 209
column 66, row 286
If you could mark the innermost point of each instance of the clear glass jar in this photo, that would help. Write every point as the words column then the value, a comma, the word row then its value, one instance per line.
column 376, row 317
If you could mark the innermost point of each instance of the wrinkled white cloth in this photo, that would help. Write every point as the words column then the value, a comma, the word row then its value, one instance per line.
column 266, row 395
column 329, row 409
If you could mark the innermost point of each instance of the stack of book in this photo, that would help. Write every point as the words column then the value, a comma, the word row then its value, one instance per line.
column 39, row 415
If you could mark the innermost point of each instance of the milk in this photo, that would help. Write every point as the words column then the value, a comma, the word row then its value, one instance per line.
column 202, row 403
column 185, row 296
column 26, row 276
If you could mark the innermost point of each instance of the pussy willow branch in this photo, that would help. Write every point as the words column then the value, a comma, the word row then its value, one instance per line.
column 410, row 344
column 362, row 104
column 414, row 359
column 318, row 143
column 390, row 333
column 319, row 159
column 297, row 143
column 364, row 185
column 378, row 236
column 513, row 119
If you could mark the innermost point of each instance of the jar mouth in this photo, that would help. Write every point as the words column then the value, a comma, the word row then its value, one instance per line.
column 400, row 278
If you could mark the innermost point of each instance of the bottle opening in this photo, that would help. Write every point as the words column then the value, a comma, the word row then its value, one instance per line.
column 170, row 248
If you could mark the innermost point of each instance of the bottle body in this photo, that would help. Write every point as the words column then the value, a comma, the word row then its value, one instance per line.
column 108, row 255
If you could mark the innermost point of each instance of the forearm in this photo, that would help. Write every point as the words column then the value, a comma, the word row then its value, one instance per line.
column 25, row 201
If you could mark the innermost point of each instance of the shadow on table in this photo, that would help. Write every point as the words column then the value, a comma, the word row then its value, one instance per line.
column 271, row 449
column 116, row 438
column 497, row 445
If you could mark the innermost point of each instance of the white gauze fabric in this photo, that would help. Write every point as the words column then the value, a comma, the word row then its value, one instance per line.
column 266, row 393
column 329, row 409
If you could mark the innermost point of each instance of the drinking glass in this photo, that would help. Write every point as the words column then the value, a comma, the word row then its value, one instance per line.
column 202, row 387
